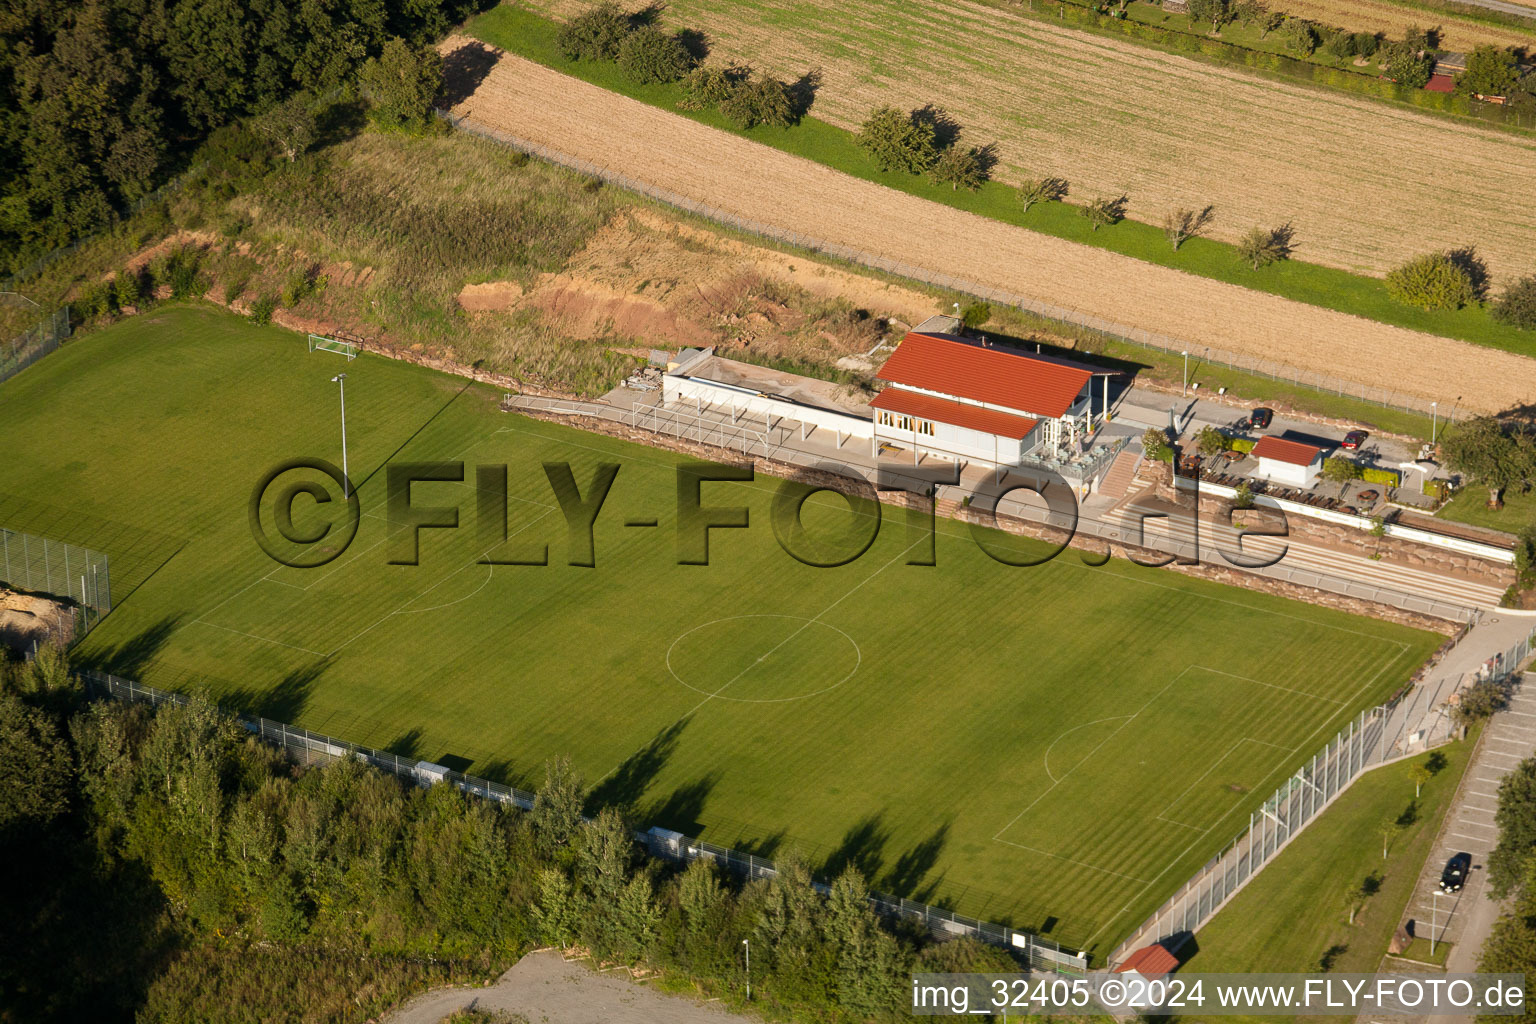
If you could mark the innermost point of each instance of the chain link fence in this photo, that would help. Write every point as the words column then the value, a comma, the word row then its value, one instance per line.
column 27, row 348
column 1386, row 397
column 1401, row 728
column 46, row 566
column 312, row 748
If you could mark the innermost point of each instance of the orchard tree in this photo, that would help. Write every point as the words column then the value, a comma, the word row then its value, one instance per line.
column 1181, row 225
column 898, row 141
column 1409, row 68
column 1497, row 458
column 1103, row 212
column 1262, row 246
column 760, row 100
column 1042, row 190
column 960, row 167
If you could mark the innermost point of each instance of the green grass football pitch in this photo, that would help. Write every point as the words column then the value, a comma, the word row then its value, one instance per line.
column 1056, row 747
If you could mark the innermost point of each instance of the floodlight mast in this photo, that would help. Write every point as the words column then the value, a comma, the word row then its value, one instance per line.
column 346, row 481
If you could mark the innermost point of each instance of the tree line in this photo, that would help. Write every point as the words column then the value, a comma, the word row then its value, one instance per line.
column 158, row 856
column 103, row 100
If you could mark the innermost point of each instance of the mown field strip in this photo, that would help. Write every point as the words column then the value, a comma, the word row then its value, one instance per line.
column 734, row 174
column 1366, row 184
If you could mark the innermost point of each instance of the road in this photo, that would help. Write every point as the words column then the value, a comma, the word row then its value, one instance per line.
column 544, row 987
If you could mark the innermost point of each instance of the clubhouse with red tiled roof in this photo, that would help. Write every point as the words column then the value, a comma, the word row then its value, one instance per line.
column 963, row 399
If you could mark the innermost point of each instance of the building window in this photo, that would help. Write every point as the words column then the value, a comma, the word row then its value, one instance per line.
column 925, row 427
column 885, row 419
column 904, row 423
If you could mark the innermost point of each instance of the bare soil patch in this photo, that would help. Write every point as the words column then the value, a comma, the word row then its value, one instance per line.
column 26, row 618
column 756, row 181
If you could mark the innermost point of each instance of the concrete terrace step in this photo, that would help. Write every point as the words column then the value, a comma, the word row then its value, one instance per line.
column 1120, row 475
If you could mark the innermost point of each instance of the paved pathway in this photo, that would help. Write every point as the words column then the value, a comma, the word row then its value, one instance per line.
column 547, row 989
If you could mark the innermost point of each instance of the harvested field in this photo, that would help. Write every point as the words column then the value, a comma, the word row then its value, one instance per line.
column 1366, row 184
column 535, row 103
column 1457, row 34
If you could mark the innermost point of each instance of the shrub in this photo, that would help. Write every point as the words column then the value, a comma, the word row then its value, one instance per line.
column 711, row 85
column 1440, row 490
column 1103, row 212
column 1242, row 444
column 1155, row 443
column 181, row 272
column 262, row 309
column 898, row 141
column 761, row 100
column 1517, row 306
column 1525, row 556
column 96, row 300
column 976, row 314
column 127, row 288
column 1042, row 190
column 596, row 34
column 1432, row 281
column 1386, row 477
column 1366, row 44
column 649, row 55
column 1339, row 469
column 1244, row 496
column 235, row 287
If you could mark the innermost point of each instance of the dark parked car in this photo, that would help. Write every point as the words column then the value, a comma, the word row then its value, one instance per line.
column 1261, row 418
column 1455, row 874
column 1354, row 439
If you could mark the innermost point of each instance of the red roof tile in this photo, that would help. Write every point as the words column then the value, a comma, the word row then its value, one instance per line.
column 1281, row 450
column 997, row 375
column 944, row 410
column 1149, row 962
column 1440, row 83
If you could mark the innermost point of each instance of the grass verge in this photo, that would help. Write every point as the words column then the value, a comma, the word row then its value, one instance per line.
column 1295, row 918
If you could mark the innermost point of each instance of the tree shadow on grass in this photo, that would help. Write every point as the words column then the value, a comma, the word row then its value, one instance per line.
column 909, row 875
column 681, row 809
column 862, row 848
column 628, row 783
column 284, row 702
column 406, row 746
column 129, row 658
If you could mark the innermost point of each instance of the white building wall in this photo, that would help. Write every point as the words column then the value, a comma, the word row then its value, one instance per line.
column 691, row 390
column 1288, row 473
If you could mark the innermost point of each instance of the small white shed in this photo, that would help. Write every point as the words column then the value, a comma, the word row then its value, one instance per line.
column 1292, row 463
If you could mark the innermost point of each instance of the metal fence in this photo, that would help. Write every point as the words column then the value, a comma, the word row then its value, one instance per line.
column 47, row 566
column 25, row 349
column 307, row 747
column 778, row 443
column 1377, row 736
column 1386, row 397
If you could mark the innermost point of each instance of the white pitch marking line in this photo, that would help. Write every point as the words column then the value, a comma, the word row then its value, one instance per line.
column 253, row 636
column 1070, row 860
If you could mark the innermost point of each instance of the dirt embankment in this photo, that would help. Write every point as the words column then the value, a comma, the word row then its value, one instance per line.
column 752, row 180
column 26, row 619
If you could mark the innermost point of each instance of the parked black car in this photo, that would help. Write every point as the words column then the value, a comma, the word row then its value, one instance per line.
column 1261, row 418
column 1455, row 874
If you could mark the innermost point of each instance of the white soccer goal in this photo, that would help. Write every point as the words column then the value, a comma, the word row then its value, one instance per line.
column 324, row 344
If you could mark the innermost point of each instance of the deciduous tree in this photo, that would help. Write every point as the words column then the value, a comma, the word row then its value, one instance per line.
column 897, row 141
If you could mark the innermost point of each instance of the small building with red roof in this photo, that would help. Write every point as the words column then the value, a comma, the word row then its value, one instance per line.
column 1294, row 463
column 1150, row 962
column 963, row 399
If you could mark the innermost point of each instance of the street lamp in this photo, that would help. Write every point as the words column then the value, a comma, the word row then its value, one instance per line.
column 341, row 379
column 1186, row 374
column 748, row 946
